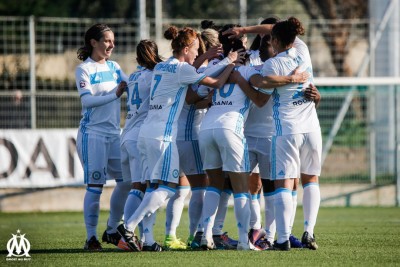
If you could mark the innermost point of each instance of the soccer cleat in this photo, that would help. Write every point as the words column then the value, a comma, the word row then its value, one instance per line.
column 155, row 248
column 295, row 242
column 130, row 238
column 221, row 243
column 111, row 238
column 122, row 245
column 173, row 243
column 195, row 244
column 92, row 245
column 229, row 240
column 255, row 235
column 207, row 244
column 285, row 246
column 262, row 244
column 189, row 240
column 308, row 241
column 246, row 246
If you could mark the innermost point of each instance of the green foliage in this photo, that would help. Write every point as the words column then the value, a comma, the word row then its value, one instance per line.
column 346, row 237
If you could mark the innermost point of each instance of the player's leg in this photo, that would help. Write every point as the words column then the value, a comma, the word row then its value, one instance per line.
column 310, row 170
column 92, row 154
column 174, row 213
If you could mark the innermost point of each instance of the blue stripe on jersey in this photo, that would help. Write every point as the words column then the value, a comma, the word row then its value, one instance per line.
column 86, row 119
column 189, row 123
column 86, row 93
column 172, row 114
column 275, row 112
column 101, row 77
column 166, row 163
column 242, row 111
column 273, row 157
column 197, row 156
column 112, row 67
column 85, row 157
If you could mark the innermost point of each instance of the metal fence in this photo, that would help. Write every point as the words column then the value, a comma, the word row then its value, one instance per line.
column 37, row 87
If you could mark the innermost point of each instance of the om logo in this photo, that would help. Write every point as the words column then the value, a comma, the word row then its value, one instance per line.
column 18, row 246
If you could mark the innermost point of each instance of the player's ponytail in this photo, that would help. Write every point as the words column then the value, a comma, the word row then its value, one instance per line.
column 287, row 30
column 94, row 32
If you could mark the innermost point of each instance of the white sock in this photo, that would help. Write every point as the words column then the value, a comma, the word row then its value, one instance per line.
column 91, row 210
column 270, row 225
column 140, row 225
column 117, row 204
column 210, row 207
column 195, row 209
column 221, row 212
column 255, row 217
column 149, row 205
column 311, row 201
column 132, row 202
column 174, row 210
column 242, row 214
column 294, row 199
column 148, row 225
column 283, row 213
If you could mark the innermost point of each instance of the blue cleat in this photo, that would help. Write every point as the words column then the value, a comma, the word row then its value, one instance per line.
column 295, row 242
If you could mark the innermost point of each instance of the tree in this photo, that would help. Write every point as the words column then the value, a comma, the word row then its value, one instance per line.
column 337, row 35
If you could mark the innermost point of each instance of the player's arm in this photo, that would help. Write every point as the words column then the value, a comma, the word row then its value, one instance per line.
column 258, row 29
column 211, row 53
column 258, row 98
column 90, row 101
column 272, row 81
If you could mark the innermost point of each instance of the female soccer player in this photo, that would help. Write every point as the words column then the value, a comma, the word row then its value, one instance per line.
column 100, row 83
column 158, row 133
column 297, row 144
column 132, row 165
column 223, row 148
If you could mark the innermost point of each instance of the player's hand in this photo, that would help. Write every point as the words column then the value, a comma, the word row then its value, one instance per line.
column 232, row 32
column 121, row 88
column 299, row 77
column 312, row 93
column 214, row 52
column 234, row 77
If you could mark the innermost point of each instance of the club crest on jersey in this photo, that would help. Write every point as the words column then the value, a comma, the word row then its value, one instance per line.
column 82, row 84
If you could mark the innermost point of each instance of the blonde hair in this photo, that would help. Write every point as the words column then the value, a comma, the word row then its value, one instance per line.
column 210, row 38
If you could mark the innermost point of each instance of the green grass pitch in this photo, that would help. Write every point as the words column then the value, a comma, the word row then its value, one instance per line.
column 346, row 237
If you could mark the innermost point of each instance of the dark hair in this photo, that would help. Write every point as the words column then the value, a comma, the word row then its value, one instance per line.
column 147, row 54
column 229, row 44
column 287, row 30
column 95, row 32
column 209, row 24
column 181, row 38
column 255, row 45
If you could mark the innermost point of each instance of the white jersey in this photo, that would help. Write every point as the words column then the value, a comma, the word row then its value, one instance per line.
column 292, row 112
column 254, row 58
column 137, row 103
column 100, row 80
column 168, row 91
column 230, row 106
